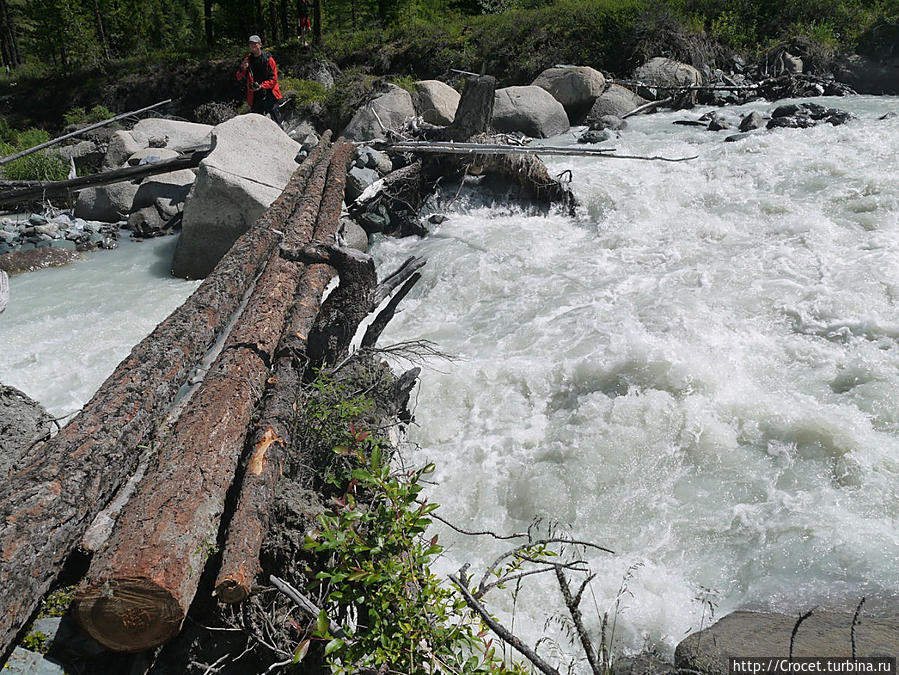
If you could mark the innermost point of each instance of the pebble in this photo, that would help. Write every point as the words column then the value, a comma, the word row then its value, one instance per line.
column 39, row 231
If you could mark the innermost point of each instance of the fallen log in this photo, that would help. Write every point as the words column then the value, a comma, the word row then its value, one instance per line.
column 42, row 146
column 139, row 588
column 46, row 507
column 58, row 188
column 262, row 469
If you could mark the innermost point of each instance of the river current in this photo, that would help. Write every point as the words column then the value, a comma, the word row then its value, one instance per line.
column 699, row 370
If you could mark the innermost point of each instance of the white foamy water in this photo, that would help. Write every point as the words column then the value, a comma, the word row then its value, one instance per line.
column 699, row 372
column 66, row 329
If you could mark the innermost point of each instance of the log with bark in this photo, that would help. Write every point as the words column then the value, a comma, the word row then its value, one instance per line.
column 139, row 588
column 262, row 468
column 46, row 507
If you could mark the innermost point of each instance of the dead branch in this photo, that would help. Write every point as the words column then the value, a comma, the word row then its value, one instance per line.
column 652, row 105
column 305, row 604
column 385, row 315
column 573, row 605
column 501, row 631
column 387, row 285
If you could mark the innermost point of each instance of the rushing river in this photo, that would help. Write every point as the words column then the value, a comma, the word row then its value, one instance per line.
column 699, row 371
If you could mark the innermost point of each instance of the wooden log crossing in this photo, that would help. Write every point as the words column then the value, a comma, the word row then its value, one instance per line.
column 47, row 505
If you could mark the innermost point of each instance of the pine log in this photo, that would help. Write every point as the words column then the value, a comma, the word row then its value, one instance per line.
column 46, row 507
column 262, row 468
column 139, row 588
column 59, row 188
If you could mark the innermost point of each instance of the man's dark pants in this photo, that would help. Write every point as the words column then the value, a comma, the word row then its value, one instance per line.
column 264, row 101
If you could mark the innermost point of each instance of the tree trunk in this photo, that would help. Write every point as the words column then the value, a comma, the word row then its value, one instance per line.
column 101, row 33
column 317, row 23
column 475, row 109
column 262, row 470
column 207, row 22
column 46, row 507
column 140, row 586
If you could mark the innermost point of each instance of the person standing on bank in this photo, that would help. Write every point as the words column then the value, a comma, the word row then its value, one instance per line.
column 261, row 73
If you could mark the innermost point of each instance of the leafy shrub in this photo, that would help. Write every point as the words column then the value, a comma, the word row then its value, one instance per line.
column 407, row 82
column 78, row 115
column 307, row 91
column 41, row 165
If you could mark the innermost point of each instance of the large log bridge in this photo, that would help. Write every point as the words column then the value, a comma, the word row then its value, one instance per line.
column 140, row 585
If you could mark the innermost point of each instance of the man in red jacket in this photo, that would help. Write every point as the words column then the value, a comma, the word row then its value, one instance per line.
column 261, row 73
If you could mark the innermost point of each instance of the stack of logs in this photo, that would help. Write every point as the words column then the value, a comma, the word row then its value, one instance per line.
column 147, row 567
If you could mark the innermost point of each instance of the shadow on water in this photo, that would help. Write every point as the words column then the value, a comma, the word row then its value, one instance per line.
column 162, row 265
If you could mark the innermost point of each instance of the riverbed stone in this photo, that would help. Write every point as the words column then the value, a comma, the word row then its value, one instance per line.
column 867, row 76
column 615, row 100
column 436, row 101
column 172, row 187
column 150, row 155
column 353, row 234
column 22, row 421
column 357, row 180
column 768, row 634
column 107, row 203
column 393, row 108
column 575, row 87
column 530, row 110
column 232, row 189
column 752, row 121
column 660, row 71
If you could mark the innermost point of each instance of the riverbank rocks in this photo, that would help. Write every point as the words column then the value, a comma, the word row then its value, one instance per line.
column 531, row 110
column 615, row 100
column 122, row 144
column 107, row 203
column 867, row 76
column 664, row 72
column 436, row 102
column 175, row 134
column 235, row 184
column 575, row 87
column 392, row 108
column 22, row 422
column 766, row 634
column 804, row 115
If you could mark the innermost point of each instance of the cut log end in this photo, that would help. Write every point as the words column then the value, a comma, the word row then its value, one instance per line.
column 231, row 591
column 129, row 615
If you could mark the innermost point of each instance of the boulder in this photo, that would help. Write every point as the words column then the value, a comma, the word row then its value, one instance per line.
column 575, row 87
column 235, row 184
column 179, row 136
column 664, row 72
column 354, row 236
column 757, row 634
column 172, row 188
column 436, row 102
column 107, row 203
column 530, row 110
column 147, row 222
column 393, row 108
column 610, row 122
column 751, row 121
column 357, row 180
column 867, row 76
column 615, row 100
column 83, row 153
column 369, row 158
column 22, row 421
column 148, row 155
column 123, row 144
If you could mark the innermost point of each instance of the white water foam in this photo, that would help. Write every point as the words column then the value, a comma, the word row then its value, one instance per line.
column 699, row 372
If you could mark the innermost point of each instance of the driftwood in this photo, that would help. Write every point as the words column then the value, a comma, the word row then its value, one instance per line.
column 139, row 588
column 273, row 432
column 59, row 188
column 25, row 153
column 92, row 456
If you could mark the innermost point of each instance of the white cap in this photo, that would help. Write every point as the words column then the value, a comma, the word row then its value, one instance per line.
column 255, row 38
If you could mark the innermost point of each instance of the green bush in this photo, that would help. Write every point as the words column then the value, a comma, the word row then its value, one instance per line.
column 79, row 115
column 307, row 91
column 41, row 165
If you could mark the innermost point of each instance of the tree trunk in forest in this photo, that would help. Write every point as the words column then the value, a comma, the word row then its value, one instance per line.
column 101, row 33
column 46, row 507
column 285, row 23
column 317, row 23
column 262, row 470
column 207, row 22
column 140, row 586
column 259, row 20
column 8, row 42
column 274, row 24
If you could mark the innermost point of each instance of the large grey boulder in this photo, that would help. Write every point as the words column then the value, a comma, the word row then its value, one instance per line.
column 393, row 108
column 575, row 87
column 757, row 634
column 22, row 421
column 615, row 100
column 867, row 76
column 172, row 188
column 123, row 144
column 108, row 203
column 250, row 164
column 530, row 110
column 436, row 102
column 179, row 136
column 665, row 72
column 151, row 155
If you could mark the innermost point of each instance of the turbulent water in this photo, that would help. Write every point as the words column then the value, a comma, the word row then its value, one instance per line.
column 698, row 371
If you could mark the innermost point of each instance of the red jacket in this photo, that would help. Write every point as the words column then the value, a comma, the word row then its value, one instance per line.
column 262, row 71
